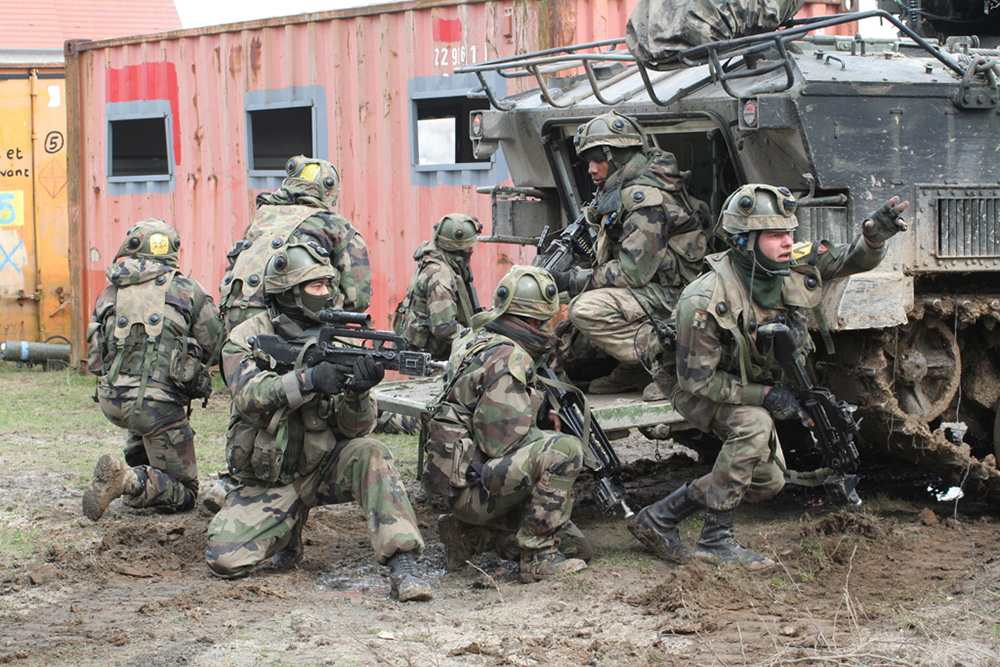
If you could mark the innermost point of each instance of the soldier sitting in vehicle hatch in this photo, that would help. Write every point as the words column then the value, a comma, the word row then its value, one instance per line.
column 297, row 439
column 152, row 336
column 726, row 385
column 651, row 243
column 509, row 483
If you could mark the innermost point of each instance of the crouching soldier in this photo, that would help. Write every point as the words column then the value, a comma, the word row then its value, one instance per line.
column 152, row 336
column 726, row 382
column 500, row 473
column 296, row 439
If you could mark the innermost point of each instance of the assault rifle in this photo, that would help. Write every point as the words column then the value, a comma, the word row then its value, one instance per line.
column 347, row 337
column 608, row 492
column 558, row 251
column 830, row 422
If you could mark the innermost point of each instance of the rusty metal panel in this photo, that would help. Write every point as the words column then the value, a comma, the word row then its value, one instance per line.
column 362, row 61
column 35, row 289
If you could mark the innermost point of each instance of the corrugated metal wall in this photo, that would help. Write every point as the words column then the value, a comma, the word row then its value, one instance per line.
column 365, row 62
column 35, row 287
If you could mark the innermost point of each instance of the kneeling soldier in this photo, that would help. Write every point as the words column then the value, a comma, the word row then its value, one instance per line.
column 296, row 440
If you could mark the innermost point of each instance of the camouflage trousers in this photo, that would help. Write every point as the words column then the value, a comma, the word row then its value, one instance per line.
column 256, row 520
column 531, row 487
column 747, row 466
column 160, row 442
column 611, row 318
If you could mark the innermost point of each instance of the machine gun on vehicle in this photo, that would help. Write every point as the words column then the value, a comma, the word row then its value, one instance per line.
column 608, row 492
column 341, row 342
column 830, row 421
column 560, row 251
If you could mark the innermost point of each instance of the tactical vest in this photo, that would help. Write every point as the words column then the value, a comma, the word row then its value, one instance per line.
column 138, row 339
column 731, row 307
column 242, row 287
column 447, row 432
column 687, row 239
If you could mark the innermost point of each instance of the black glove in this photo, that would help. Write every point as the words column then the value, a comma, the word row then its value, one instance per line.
column 367, row 373
column 562, row 279
column 885, row 222
column 781, row 403
column 474, row 475
column 327, row 378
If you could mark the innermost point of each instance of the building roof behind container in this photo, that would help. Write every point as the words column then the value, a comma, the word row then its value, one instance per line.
column 46, row 24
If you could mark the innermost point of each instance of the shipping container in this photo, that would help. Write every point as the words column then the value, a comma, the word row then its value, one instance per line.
column 35, row 288
column 191, row 125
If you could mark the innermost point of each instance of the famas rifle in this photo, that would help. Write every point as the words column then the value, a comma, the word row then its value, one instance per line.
column 345, row 337
column 830, row 422
column 608, row 492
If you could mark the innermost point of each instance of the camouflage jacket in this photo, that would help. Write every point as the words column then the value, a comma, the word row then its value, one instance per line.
column 152, row 333
column 437, row 306
column 488, row 408
column 718, row 360
column 276, row 431
column 282, row 217
column 651, row 231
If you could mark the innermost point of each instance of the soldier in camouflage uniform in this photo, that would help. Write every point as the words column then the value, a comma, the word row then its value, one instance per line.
column 651, row 243
column 152, row 336
column 486, row 454
column 438, row 302
column 296, row 212
column 297, row 440
column 727, row 385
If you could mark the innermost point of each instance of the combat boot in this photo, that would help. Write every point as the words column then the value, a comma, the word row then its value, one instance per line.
column 216, row 494
column 292, row 553
column 112, row 479
column 404, row 578
column 656, row 525
column 538, row 565
column 461, row 541
column 625, row 377
column 718, row 546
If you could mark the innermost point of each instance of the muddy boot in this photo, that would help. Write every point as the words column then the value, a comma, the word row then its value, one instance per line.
column 656, row 525
column 625, row 377
column 112, row 479
column 573, row 543
column 461, row 541
column 292, row 553
column 216, row 495
column 539, row 565
column 718, row 546
column 404, row 577
column 652, row 392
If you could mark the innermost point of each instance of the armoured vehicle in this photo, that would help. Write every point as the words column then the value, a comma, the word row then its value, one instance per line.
column 846, row 123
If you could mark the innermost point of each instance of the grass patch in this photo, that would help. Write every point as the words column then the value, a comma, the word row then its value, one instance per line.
column 17, row 544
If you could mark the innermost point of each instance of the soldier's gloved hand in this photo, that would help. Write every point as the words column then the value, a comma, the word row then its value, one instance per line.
column 474, row 475
column 562, row 279
column 367, row 373
column 781, row 403
column 326, row 378
column 885, row 222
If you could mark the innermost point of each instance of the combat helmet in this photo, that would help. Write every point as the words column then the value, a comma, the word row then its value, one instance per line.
column 757, row 208
column 318, row 177
column 527, row 291
column 456, row 231
column 151, row 239
column 612, row 136
column 287, row 272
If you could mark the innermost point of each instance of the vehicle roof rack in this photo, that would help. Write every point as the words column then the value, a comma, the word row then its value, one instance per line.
column 592, row 56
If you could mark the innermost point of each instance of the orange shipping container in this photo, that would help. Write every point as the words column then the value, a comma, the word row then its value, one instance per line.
column 34, row 266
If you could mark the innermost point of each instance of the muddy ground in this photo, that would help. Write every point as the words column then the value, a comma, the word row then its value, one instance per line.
column 902, row 580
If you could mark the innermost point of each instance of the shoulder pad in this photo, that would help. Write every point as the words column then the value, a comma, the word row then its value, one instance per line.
column 641, row 196
column 520, row 365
